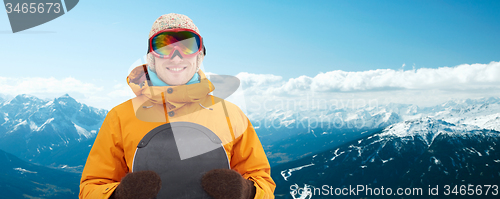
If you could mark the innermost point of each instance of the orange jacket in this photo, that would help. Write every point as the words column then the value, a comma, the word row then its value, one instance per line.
column 111, row 156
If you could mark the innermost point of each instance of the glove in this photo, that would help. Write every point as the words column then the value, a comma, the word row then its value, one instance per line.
column 138, row 185
column 227, row 184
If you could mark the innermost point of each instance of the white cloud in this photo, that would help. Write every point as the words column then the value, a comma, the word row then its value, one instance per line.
column 462, row 77
column 14, row 86
column 423, row 87
column 39, row 85
column 121, row 90
column 99, row 96
column 249, row 80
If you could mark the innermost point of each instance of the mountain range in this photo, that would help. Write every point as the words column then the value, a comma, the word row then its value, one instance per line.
column 45, row 132
column 35, row 129
column 287, row 135
column 416, row 153
column 391, row 145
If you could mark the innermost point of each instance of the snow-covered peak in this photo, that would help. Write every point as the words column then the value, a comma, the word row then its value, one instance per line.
column 61, row 113
column 24, row 99
column 66, row 100
column 427, row 128
column 65, row 96
column 452, row 111
column 461, row 103
column 484, row 113
column 33, row 128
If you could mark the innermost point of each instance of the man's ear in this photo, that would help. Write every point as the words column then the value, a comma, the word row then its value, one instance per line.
column 199, row 60
column 201, row 56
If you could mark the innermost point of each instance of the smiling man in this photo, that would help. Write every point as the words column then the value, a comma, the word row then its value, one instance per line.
column 175, row 140
column 183, row 59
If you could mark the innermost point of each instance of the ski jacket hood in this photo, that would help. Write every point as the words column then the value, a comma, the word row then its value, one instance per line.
column 183, row 93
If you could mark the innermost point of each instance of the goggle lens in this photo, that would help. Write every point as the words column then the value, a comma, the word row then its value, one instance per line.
column 187, row 42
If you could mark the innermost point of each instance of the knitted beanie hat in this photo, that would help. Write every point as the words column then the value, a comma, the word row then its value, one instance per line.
column 169, row 21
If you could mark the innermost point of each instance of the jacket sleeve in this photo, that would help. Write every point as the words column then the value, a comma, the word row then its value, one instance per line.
column 249, row 159
column 105, row 165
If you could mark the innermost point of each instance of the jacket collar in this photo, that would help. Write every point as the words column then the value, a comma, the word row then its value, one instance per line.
column 174, row 96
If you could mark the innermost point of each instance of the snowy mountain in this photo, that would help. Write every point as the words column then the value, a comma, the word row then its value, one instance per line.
column 60, row 132
column 415, row 153
column 289, row 135
column 20, row 179
column 371, row 117
column 41, row 131
column 484, row 113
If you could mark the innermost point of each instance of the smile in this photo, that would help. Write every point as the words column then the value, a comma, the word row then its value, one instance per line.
column 176, row 69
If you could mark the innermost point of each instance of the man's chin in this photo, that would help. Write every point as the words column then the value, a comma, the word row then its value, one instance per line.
column 175, row 83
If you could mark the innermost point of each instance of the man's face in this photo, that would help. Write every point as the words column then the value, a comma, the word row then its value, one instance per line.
column 176, row 71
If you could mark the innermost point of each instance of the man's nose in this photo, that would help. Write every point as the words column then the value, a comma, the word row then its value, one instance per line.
column 176, row 56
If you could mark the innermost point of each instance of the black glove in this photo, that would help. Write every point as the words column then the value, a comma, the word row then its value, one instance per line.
column 227, row 184
column 138, row 185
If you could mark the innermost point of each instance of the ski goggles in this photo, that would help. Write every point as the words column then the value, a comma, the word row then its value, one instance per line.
column 164, row 43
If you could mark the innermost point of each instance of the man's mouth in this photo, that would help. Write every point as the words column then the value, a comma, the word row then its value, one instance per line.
column 176, row 69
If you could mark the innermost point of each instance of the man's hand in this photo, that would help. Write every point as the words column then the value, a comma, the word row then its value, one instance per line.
column 138, row 185
column 227, row 184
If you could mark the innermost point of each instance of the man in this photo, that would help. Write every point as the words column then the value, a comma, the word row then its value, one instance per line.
column 171, row 90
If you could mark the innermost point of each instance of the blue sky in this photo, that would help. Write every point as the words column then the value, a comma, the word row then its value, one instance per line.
column 97, row 41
